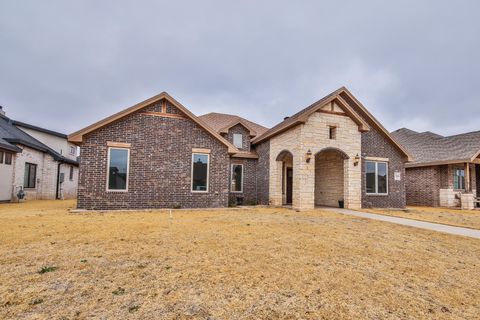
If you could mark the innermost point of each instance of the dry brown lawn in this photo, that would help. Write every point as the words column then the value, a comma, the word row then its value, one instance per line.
column 229, row 264
column 453, row 217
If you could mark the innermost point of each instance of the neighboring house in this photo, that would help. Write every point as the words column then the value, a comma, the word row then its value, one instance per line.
column 39, row 161
column 445, row 171
column 157, row 154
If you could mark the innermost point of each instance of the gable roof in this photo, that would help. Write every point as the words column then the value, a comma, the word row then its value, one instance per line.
column 351, row 106
column 302, row 116
column 429, row 148
column 77, row 137
column 10, row 136
column 222, row 122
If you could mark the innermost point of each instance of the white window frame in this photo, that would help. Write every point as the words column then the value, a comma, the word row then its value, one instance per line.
column 241, row 140
column 74, row 153
column 231, row 177
column 208, row 173
column 108, row 169
column 376, row 193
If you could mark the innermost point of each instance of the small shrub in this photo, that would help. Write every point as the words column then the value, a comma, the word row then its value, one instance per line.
column 133, row 309
column 119, row 291
column 47, row 269
column 36, row 301
column 168, row 267
column 232, row 204
column 83, row 261
column 177, row 206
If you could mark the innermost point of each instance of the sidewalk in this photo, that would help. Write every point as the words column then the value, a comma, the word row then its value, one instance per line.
column 412, row 223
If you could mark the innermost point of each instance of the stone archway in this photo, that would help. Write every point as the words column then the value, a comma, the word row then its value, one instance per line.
column 330, row 182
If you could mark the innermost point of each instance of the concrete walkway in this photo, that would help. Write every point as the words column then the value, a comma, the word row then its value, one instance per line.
column 412, row 223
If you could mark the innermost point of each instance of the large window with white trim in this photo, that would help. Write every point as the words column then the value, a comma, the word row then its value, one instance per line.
column 200, row 168
column 237, row 178
column 376, row 177
column 118, row 167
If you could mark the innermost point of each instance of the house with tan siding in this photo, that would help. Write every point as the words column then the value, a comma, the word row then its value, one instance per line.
column 158, row 154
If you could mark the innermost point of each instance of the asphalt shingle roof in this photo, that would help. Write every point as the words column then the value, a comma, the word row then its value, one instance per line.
column 428, row 147
column 218, row 121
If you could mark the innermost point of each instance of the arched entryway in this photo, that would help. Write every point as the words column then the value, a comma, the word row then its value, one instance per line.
column 330, row 177
column 285, row 160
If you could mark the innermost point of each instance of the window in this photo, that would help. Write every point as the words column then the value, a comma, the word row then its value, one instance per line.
column 332, row 133
column 238, row 140
column 377, row 177
column 73, row 150
column 8, row 158
column 459, row 179
column 200, row 168
column 29, row 180
column 71, row 173
column 1, row 156
column 118, row 163
column 237, row 178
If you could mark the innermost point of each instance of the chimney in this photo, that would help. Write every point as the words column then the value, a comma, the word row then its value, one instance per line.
column 2, row 112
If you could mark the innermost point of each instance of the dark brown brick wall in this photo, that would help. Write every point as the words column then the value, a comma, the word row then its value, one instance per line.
column 249, row 194
column 263, row 172
column 160, row 164
column 423, row 185
column 375, row 144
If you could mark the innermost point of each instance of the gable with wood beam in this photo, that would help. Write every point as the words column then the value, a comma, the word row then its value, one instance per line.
column 340, row 102
column 162, row 101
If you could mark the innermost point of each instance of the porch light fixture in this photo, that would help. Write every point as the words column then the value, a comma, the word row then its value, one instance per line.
column 308, row 156
column 356, row 160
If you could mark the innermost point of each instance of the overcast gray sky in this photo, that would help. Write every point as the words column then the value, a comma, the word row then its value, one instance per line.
column 66, row 64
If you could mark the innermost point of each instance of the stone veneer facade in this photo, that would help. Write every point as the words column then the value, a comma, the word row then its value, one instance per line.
column 314, row 136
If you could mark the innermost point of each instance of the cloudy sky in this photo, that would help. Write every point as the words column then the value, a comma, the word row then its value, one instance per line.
column 416, row 64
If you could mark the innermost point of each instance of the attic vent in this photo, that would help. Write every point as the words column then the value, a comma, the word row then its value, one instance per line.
column 285, row 118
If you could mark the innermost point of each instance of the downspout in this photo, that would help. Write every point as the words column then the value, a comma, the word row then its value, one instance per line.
column 57, row 196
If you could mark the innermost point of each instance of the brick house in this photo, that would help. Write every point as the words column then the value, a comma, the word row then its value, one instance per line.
column 157, row 154
column 38, row 161
column 445, row 171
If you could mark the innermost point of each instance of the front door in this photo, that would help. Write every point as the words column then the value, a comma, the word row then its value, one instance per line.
column 289, row 185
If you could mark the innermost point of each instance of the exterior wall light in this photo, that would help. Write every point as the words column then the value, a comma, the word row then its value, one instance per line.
column 308, row 156
column 356, row 160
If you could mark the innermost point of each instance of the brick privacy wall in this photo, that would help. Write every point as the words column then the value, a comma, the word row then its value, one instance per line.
column 160, row 164
column 244, row 132
column 249, row 193
column 263, row 172
column 329, row 179
column 423, row 185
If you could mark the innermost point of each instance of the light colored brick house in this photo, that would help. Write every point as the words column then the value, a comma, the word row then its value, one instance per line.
column 445, row 171
column 157, row 154
column 38, row 161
